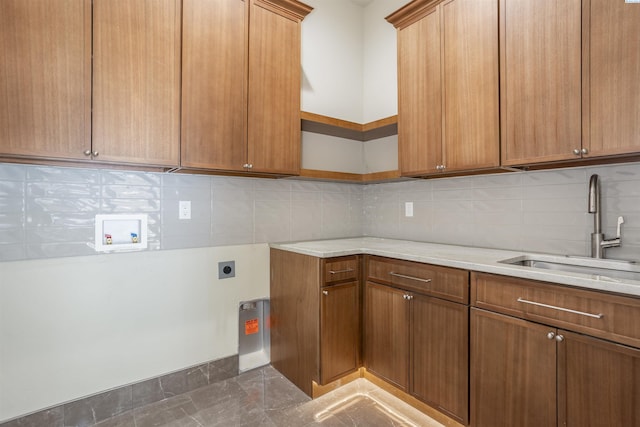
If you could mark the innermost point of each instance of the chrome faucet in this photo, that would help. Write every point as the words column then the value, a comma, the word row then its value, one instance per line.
column 598, row 242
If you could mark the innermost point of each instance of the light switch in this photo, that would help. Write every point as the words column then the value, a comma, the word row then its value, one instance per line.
column 408, row 209
column 184, row 207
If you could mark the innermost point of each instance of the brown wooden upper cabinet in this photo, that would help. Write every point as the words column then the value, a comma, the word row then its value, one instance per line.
column 46, row 111
column 569, row 80
column 241, row 85
column 610, row 69
column 448, row 116
column 45, row 76
column 540, row 80
column 136, row 81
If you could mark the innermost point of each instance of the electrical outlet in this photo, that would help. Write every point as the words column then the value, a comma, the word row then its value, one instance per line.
column 226, row 269
column 184, row 209
column 408, row 209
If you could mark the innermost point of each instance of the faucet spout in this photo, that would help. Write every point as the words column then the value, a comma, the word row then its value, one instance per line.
column 598, row 241
column 594, row 202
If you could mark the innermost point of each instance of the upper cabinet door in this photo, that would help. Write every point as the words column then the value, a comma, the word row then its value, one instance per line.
column 447, row 86
column 611, row 70
column 214, row 80
column 136, row 81
column 540, row 42
column 420, row 95
column 45, row 78
column 274, row 86
column 470, row 78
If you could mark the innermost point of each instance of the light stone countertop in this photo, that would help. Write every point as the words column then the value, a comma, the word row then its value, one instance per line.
column 463, row 257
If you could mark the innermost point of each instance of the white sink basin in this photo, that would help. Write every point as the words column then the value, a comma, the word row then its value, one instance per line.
column 602, row 268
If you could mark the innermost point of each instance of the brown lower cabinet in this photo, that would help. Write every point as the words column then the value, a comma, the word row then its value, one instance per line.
column 527, row 374
column 315, row 317
column 339, row 331
column 417, row 342
column 386, row 341
column 513, row 372
column 528, row 369
column 527, row 353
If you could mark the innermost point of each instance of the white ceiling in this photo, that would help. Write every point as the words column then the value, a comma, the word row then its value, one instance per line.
column 362, row 3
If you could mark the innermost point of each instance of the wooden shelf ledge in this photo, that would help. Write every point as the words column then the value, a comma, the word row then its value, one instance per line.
column 367, row 178
column 325, row 125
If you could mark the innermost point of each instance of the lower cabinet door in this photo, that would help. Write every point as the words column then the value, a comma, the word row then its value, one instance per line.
column 598, row 382
column 339, row 331
column 513, row 372
column 440, row 355
column 387, row 334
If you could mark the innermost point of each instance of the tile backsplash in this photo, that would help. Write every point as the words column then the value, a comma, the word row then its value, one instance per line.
column 49, row 211
column 539, row 211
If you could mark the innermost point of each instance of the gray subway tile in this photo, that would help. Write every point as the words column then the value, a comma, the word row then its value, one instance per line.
column 45, row 204
column 62, row 190
column 11, row 205
column 115, row 177
column 138, row 192
column 12, row 172
column 60, row 174
column 109, row 206
column 12, row 189
column 40, row 235
column 12, row 251
column 56, row 250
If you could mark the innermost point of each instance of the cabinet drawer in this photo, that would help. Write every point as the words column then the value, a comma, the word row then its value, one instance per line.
column 342, row 268
column 612, row 317
column 443, row 282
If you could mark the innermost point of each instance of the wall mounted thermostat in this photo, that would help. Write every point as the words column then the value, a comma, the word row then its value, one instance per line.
column 120, row 232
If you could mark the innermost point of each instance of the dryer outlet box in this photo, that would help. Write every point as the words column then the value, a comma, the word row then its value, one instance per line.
column 226, row 269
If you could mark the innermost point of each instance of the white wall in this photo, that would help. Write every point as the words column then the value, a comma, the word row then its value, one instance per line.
column 332, row 60
column 381, row 154
column 324, row 152
column 73, row 323
column 380, row 71
column 71, row 327
column 349, row 59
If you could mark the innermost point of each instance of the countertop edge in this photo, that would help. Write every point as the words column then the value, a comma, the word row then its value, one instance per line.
column 482, row 260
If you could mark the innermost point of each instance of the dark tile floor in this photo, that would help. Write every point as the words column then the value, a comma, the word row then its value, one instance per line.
column 263, row 397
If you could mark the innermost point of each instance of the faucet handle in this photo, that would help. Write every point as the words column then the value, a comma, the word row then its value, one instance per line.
column 620, row 222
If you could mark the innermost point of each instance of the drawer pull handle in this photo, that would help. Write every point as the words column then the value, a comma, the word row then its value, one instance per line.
column 348, row 270
column 410, row 277
column 568, row 310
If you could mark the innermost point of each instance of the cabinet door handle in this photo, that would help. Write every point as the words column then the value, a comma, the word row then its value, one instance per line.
column 568, row 310
column 551, row 335
column 407, row 297
column 348, row 270
column 410, row 277
column 325, row 292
